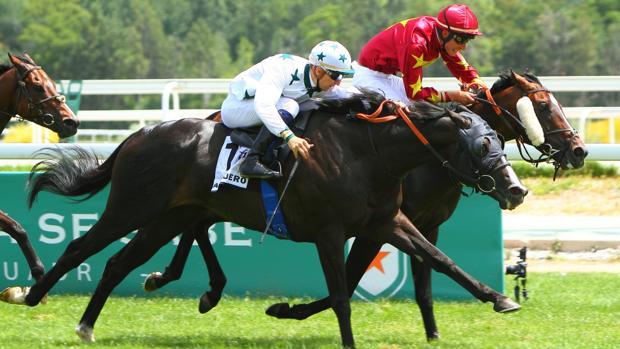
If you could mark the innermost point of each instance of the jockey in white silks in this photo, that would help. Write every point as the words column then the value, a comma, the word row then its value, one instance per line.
column 270, row 92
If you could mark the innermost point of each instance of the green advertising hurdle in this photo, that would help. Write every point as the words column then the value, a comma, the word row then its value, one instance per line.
column 472, row 238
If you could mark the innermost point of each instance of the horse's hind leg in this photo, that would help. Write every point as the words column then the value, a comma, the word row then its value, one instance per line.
column 173, row 272
column 15, row 230
column 217, row 279
column 140, row 249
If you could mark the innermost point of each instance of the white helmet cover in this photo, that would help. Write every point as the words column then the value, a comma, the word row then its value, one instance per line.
column 331, row 55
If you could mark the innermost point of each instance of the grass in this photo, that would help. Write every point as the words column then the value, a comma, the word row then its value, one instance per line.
column 574, row 310
column 594, row 169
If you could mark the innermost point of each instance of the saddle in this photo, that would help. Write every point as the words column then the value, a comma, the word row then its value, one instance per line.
column 278, row 151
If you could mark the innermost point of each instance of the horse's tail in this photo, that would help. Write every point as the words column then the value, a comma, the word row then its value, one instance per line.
column 72, row 171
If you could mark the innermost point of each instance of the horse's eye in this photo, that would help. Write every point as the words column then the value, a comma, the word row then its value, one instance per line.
column 544, row 106
column 38, row 88
column 485, row 146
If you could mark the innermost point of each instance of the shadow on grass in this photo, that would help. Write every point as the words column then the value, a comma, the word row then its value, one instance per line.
column 217, row 341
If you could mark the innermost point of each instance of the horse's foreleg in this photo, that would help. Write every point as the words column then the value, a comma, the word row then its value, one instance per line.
column 15, row 230
column 217, row 279
column 361, row 254
column 331, row 254
column 174, row 271
column 423, row 290
column 416, row 244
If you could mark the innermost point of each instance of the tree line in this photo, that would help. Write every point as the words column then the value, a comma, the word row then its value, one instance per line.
column 142, row 39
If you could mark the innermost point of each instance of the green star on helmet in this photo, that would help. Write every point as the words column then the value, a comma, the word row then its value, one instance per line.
column 343, row 58
column 320, row 56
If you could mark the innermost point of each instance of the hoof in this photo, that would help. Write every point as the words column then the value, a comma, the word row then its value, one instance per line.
column 205, row 304
column 14, row 295
column 433, row 337
column 506, row 305
column 85, row 333
column 149, row 282
column 279, row 310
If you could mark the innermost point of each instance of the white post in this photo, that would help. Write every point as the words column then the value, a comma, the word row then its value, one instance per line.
column 165, row 101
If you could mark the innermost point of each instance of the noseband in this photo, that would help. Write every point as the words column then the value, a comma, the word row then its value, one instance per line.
column 39, row 117
column 546, row 149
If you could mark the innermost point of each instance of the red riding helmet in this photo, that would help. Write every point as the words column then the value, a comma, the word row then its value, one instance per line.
column 459, row 19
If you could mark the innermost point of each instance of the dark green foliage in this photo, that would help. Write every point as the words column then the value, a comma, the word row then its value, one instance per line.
column 138, row 39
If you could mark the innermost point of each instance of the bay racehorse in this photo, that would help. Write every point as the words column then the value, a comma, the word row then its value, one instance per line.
column 161, row 179
column 27, row 92
column 519, row 107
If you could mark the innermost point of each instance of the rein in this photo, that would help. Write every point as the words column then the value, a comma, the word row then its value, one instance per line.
column 376, row 118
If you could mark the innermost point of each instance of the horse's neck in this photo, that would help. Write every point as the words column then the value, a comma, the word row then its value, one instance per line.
column 505, row 100
column 8, row 86
column 402, row 151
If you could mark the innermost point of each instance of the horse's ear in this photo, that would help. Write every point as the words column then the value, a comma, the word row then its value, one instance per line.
column 459, row 119
column 30, row 60
column 14, row 60
column 514, row 75
column 518, row 79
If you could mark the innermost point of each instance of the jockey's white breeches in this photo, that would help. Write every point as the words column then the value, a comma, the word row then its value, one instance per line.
column 391, row 86
column 241, row 113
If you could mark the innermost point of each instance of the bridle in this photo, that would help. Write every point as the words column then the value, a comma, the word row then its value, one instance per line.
column 546, row 149
column 482, row 182
column 39, row 116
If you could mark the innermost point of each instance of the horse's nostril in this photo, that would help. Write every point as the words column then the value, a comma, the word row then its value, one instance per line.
column 579, row 152
column 518, row 191
column 70, row 123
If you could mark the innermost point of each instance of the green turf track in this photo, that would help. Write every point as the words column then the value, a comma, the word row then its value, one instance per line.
column 565, row 311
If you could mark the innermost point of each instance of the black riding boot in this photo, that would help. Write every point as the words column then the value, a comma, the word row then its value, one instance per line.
column 251, row 167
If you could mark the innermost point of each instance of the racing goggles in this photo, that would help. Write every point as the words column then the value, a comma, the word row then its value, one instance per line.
column 463, row 39
column 334, row 75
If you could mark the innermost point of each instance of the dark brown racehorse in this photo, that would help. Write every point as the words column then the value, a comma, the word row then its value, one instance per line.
column 431, row 194
column 161, row 178
column 561, row 145
column 27, row 92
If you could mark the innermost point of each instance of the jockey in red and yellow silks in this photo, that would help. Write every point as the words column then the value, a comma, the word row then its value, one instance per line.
column 408, row 46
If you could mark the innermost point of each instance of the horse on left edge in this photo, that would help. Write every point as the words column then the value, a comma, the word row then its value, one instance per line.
column 27, row 92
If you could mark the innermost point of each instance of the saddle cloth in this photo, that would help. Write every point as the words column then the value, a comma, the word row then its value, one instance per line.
column 227, row 169
column 227, row 172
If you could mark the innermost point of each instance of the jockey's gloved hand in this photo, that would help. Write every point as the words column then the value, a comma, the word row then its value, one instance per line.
column 300, row 147
column 462, row 97
column 474, row 87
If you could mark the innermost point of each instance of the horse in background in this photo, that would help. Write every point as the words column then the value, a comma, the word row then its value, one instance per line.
column 30, row 94
column 161, row 179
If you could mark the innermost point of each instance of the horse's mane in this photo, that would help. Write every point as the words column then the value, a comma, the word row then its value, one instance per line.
column 505, row 81
column 359, row 102
column 368, row 101
column 4, row 68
